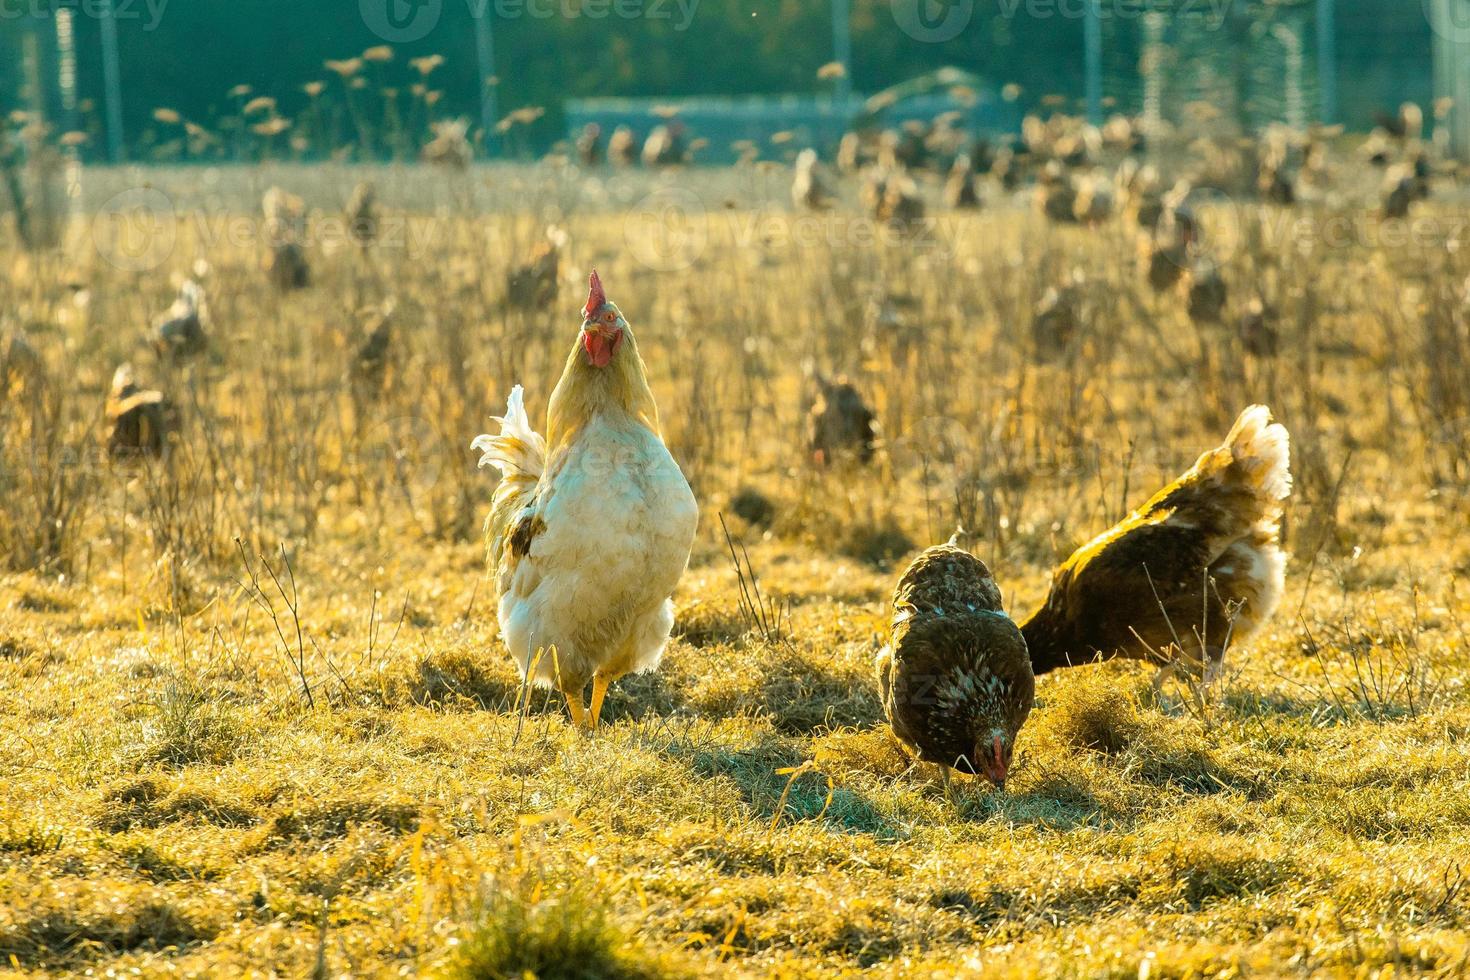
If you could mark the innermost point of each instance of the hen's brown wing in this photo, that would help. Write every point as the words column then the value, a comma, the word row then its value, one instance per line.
column 1146, row 589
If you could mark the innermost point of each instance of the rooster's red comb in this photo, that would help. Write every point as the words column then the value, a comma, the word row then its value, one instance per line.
column 595, row 296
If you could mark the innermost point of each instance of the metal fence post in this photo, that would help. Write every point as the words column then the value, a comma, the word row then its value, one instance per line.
column 1295, row 103
column 1153, row 71
column 111, row 82
column 1451, row 77
column 1092, row 37
column 1327, row 59
column 485, row 52
column 842, row 49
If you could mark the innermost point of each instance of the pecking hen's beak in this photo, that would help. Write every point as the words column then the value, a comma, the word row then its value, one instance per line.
column 993, row 762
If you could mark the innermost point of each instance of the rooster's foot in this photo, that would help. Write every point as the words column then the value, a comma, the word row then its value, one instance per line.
column 599, row 691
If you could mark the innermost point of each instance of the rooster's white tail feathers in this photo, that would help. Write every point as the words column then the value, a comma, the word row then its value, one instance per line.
column 518, row 451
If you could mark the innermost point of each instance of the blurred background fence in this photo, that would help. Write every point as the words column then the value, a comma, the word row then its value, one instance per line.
column 1295, row 63
column 104, row 67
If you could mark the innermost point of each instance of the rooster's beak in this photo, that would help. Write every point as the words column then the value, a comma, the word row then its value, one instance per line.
column 600, row 330
column 600, row 342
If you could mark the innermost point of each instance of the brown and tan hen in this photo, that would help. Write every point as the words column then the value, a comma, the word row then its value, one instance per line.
column 1196, row 568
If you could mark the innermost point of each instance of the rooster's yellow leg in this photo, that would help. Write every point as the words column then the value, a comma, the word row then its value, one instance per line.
column 599, row 691
column 574, row 705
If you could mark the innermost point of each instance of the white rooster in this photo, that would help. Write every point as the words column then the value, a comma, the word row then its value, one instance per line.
column 590, row 528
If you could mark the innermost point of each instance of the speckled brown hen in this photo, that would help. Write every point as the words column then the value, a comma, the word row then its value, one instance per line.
column 1398, row 193
column 369, row 366
column 531, row 285
column 1195, row 569
column 450, row 148
column 1205, row 292
column 139, row 421
column 180, row 333
column 1258, row 333
column 285, row 231
column 1058, row 317
column 893, row 198
column 590, row 151
column 1056, row 194
column 362, row 214
column 840, row 425
column 955, row 679
column 21, row 366
column 622, row 147
column 666, row 146
column 960, row 190
column 809, row 191
column 1167, row 248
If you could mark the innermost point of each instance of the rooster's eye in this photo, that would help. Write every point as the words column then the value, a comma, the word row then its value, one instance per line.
column 609, row 317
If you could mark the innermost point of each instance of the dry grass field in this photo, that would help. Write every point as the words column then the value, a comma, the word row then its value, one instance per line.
column 255, row 717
